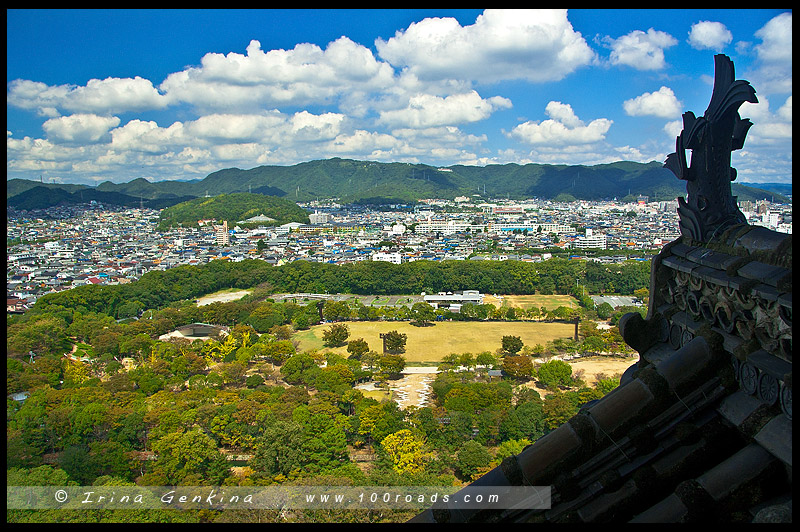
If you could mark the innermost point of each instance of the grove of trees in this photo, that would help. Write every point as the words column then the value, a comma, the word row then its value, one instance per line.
column 109, row 403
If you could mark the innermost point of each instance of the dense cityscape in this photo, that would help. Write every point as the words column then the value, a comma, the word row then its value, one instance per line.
column 62, row 247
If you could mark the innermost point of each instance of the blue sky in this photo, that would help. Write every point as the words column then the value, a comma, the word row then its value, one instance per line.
column 113, row 95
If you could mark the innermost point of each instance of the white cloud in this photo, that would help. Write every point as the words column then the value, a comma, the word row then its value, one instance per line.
column 776, row 37
column 307, row 126
column 564, row 128
column 26, row 94
column 774, row 71
column 673, row 128
column 234, row 127
column 363, row 142
column 305, row 74
column 85, row 128
column 661, row 103
column 641, row 50
column 110, row 95
column 768, row 127
column 531, row 44
column 427, row 110
column 707, row 35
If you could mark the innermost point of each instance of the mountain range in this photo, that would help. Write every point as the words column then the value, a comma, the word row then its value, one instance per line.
column 371, row 181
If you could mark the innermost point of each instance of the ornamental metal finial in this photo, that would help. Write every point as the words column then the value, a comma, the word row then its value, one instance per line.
column 710, row 207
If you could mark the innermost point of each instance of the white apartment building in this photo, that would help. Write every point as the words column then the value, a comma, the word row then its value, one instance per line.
column 394, row 257
column 591, row 240
column 446, row 227
column 546, row 228
column 319, row 218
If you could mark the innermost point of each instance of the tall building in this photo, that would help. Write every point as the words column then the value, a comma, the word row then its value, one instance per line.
column 591, row 241
column 221, row 233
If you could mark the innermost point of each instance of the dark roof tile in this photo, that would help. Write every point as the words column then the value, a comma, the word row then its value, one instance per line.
column 776, row 437
column 760, row 271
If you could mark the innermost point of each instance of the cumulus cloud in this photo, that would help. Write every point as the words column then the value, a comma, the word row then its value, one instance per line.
column 304, row 74
column 307, row 126
column 707, row 35
column 563, row 128
column 234, row 127
column 110, row 95
column 640, row 50
column 87, row 128
column 661, row 103
column 768, row 127
column 774, row 71
column 776, row 37
column 531, row 44
column 427, row 110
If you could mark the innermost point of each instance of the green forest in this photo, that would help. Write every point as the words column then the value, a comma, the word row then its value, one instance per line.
column 127, row 408
column 157, row 289
column 233, row 208
column 352, row 181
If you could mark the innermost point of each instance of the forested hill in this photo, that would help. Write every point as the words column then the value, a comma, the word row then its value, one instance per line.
column 233, row 208
column 352, row 180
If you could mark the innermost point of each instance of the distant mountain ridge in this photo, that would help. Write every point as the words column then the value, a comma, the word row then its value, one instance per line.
column 353, row 180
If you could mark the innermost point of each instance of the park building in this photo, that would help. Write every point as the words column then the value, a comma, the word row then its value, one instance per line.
column 453, row 300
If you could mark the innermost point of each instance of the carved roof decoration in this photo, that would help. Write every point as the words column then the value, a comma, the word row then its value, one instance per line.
column 700, row 429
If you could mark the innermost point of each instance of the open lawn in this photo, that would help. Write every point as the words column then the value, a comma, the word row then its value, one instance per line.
column 430, row 344
column 223, row 296
column 550, row 302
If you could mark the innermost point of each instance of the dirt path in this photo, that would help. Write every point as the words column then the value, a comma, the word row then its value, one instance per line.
column 414, row 388
column 594, row 366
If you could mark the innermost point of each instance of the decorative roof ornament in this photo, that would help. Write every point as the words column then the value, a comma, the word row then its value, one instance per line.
column 710, row 208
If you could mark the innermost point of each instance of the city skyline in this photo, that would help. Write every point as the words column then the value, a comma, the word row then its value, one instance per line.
column 113, row 95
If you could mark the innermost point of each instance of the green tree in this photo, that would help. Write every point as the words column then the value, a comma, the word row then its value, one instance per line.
column 555, row 373
column 184, row 454
column 593, row 344
column 406, row 450
column 395, row 341
column 279, row 352
column 300, row 368
column 41, row 334
column 485, row 359
column 518, row 367
column 471, row 459
column 391, row 365
column 510, row 448
column 253, row 381
column 357, row 348
column 75, row 461
column 604, row 310
column 336, row 335
column 511, row 344
column 557, row 409
column 605, row 384
column 422, row 313
column 279, row 450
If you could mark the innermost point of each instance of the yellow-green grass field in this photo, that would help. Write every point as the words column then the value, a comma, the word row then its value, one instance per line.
column 550, row 302
column 432, row 343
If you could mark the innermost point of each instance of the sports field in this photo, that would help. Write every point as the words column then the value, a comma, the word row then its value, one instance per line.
column 430, row 344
